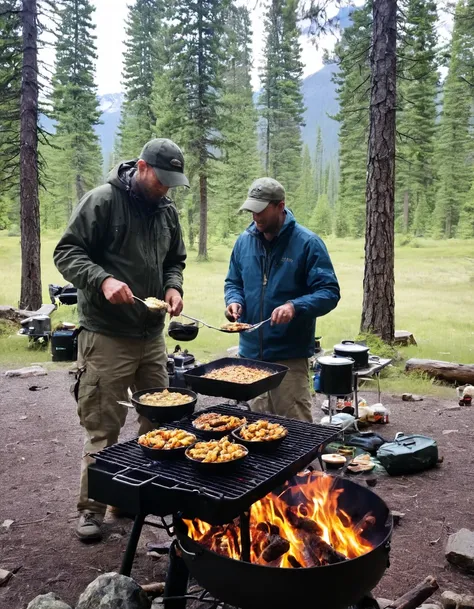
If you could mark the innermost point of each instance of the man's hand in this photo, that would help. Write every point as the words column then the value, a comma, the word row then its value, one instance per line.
column 233, row 311
column 283, row 314
column 174, row 302
column 117, row 292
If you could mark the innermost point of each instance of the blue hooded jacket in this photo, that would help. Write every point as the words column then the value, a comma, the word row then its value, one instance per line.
column 294, row 267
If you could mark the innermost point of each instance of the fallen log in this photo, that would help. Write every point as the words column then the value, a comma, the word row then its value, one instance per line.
column 450, row 372
column 417, row 596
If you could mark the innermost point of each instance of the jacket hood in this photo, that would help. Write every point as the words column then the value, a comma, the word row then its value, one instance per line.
column 120, row 175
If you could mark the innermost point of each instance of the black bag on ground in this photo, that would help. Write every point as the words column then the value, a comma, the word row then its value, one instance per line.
column 408, row 454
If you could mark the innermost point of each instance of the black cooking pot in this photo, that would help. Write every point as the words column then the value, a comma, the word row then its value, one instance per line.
column 338, row 586
column 337, row 375
column 183, row 332
column 359, row 353
column 164, row 414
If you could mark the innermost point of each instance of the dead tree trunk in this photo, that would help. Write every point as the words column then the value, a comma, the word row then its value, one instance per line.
column 202, row 254
column 30, row 297
column 378, row 308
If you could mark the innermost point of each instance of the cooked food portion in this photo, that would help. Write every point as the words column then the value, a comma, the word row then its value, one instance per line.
column 167, row 439
column 238, row 374
column 217, row 451
column 361, row 463
column 165, row 398
column 212, row 421
column 262, row 431
column 235, row 326
column 155, row 304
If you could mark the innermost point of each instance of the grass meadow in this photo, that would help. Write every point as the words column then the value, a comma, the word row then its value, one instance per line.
column 434, row 300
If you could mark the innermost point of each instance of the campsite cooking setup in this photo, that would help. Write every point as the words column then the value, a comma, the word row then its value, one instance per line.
column 254, row 533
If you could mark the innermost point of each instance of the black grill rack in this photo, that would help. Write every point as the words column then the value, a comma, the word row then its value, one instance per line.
column 124, row 477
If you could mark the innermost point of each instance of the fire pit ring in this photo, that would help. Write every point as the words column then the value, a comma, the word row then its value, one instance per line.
column 335, row 586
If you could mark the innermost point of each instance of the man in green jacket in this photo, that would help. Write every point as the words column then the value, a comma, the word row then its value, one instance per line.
column 123, row 239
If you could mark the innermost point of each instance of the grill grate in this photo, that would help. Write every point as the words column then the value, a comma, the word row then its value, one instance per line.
column 177, row 486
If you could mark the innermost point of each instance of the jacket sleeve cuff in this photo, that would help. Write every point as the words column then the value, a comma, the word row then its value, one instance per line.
column 100, row 278
column 174, row 286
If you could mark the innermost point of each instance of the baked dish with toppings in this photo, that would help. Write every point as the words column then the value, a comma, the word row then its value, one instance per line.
column 165, row 398
column 212, row 421
column 235, row 326
column 167, row 439
column 216, row 451
column 238, row 374
column 262, row 431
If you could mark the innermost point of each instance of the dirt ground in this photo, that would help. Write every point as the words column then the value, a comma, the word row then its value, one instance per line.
column 40, row 448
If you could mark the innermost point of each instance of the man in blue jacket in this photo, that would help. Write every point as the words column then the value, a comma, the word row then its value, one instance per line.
column 280, row 269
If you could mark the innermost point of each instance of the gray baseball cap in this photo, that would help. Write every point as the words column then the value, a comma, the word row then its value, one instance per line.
column 167, row 161
column 261, row 193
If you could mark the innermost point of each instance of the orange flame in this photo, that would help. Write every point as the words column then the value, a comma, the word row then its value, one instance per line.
column 302, row 513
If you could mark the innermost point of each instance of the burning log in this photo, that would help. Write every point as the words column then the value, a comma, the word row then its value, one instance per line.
column 268, row 528
column 321, row 553
column 304, row 524
column 294, row 563
column 277, row 547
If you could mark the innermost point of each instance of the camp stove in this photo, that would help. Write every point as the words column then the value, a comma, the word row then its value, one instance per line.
column 179, row 363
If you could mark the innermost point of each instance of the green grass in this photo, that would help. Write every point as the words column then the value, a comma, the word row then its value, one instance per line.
column 434, row 300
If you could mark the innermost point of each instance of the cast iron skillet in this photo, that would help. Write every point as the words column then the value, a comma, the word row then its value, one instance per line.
column 261, row 446
column 164, row 414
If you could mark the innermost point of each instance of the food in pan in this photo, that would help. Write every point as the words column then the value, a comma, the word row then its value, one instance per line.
column 262, row 431
column 238, row 374
column 155, row 304
column 217, row 451
column 167, row 439
column 333, row 460
column 165, row 398
column 235, row 326
column 212, row 421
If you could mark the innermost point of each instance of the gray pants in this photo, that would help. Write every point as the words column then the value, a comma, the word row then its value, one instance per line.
column 110, row 366
column 292, row 399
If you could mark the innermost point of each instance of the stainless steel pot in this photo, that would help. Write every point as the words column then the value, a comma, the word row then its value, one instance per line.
column 359, row 353
column 337, row 375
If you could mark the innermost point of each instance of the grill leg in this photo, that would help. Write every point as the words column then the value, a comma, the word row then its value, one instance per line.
column 131, row 548
column 245, row 536
column 176, row 584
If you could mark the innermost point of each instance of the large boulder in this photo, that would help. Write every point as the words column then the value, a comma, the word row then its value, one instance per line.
column 48, row 601
column 113, row 591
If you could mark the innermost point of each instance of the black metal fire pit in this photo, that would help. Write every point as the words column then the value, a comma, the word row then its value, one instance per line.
column 336, row 586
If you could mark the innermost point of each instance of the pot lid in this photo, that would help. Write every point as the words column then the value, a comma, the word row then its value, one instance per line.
column 335, row 360
column 351, row 346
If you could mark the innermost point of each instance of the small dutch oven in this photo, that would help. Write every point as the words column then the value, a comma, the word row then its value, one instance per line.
column 359, row 353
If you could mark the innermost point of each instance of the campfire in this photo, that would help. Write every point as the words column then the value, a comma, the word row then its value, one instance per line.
column 302, row 526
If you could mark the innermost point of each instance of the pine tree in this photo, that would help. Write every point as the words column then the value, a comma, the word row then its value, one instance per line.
column 75, row 165
column 10, row 84
column 143, row 58
column 305, row 197
column 281, row 101
column 352, row 79
column 239, row 164
column 466, row 218
column 188, row 99
column 321, row 219
column 319, row 163
column 455, row 143
column 416, row 116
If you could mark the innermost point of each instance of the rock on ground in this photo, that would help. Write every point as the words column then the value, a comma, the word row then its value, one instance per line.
column 460, row 549
column 27, row 372
column 113, row 591
column 452, row 600
column 48, row 601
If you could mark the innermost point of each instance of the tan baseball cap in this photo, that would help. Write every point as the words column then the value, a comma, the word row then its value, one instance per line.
column 261, row 193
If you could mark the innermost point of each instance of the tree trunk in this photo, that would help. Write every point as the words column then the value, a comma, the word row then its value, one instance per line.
column 378, row 308
column 406, row 208
column 449, row 372
column 202, row 254
column 30, row 297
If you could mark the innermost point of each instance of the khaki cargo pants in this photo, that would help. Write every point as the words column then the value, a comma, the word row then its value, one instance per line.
column 108, row 366
column 292, row 399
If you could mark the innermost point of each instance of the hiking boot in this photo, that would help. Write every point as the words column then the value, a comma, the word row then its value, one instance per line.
column 88, row 528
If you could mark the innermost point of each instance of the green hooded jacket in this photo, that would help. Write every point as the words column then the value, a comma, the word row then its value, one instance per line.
column 114, row 233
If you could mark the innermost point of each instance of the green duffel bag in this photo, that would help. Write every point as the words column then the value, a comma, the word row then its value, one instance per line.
column 408, row 454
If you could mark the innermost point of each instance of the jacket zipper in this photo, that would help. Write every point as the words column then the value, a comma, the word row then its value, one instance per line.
column 267, row 264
